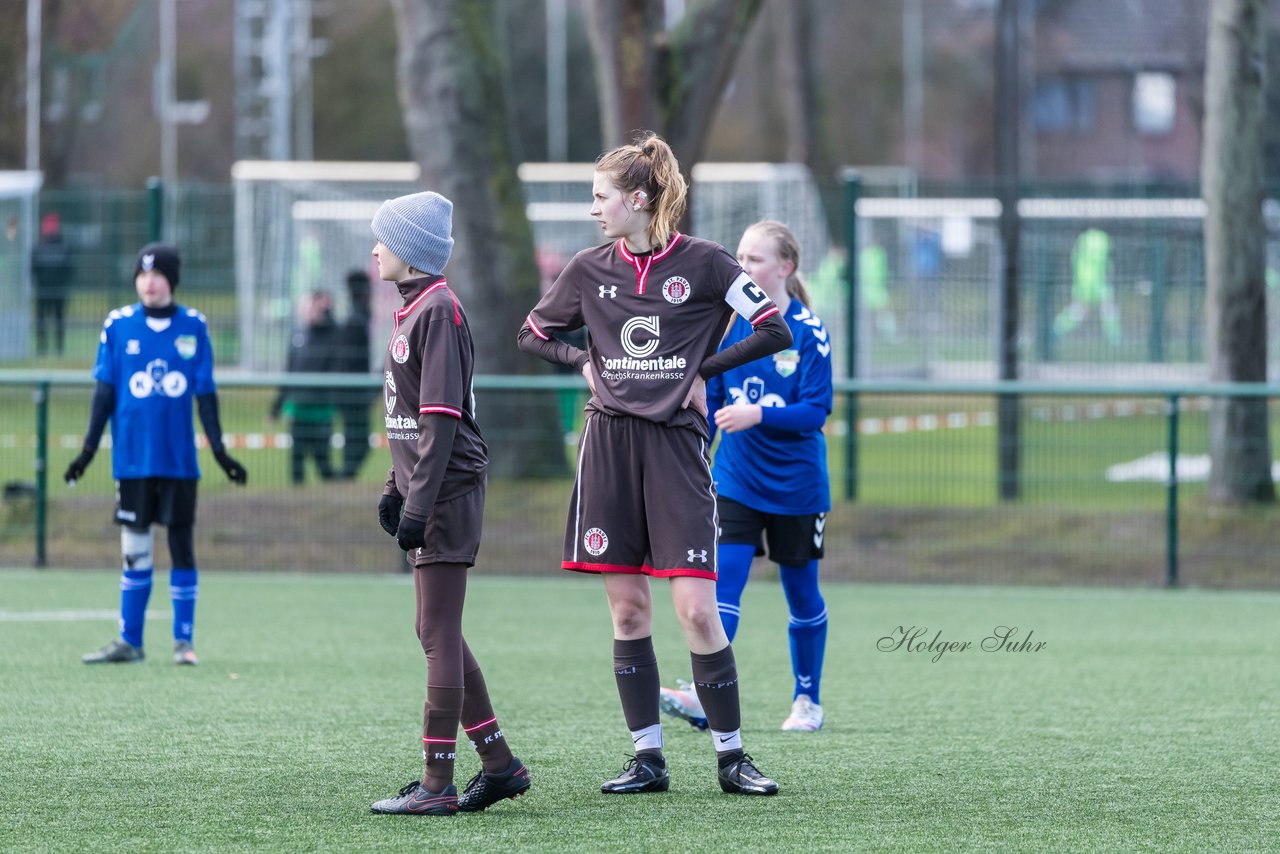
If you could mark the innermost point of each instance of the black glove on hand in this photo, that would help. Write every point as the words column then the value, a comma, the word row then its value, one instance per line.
column 234, row 470
column 412, row 533
column 76, row 470
column 389, row 513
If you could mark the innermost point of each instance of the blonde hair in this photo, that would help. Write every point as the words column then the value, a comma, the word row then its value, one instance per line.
column 788, row 249
column 650, row 165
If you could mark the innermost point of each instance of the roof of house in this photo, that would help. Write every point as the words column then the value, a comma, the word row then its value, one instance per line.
column 1129, row 35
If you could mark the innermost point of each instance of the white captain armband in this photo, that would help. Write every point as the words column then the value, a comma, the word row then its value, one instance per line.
column 748, row 300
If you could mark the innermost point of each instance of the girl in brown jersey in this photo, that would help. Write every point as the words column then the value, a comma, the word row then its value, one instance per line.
column 657, row 303
column 433, row 502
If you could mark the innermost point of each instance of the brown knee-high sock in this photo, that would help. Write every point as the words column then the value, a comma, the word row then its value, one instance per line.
column 635, row 669
column 441, row 590
column 479, row 721
column 440, row 716
column 715, row 678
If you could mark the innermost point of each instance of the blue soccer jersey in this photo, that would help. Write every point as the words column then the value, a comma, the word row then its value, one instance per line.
column 157, row 365
column 780, row 465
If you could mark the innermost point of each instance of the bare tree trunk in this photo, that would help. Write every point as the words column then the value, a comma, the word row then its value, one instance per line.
column 450, row 85
column 669, row 82
column 1235, row 305
column 624, row 35
column 802, row 106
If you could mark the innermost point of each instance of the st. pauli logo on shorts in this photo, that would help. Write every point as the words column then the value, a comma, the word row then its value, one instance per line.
column 676, row 289
column 595, row 541
column 400, row 349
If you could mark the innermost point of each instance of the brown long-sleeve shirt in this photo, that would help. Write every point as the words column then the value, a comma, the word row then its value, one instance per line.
column 437, row 451
column 655, row 321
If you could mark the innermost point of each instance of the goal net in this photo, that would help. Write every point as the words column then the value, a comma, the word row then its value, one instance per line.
column 18, row 192
column 302, row 226
column 1110, row 289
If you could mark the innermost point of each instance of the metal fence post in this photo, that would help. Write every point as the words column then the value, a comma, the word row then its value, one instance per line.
column 42, row 468
column 852, row 191
column 1171, row 510
column 155, row 209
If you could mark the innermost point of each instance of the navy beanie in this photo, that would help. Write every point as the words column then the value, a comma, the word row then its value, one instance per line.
column 160, row 256
column 417, row 229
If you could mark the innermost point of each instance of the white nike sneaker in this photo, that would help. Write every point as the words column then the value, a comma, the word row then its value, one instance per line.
column 806, row 716
column 682, row 702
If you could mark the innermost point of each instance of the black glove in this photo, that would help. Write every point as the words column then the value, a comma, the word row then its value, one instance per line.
column 76, row 470
column 389, row 513
column 234, row 470
column 412, row 533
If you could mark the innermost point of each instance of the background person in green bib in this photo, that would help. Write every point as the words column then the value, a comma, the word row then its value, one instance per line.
column 1090, row 286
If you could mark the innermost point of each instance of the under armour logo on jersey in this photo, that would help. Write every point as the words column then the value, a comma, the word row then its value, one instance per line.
column 819, row 529
column 698, row 555
column 610, row 291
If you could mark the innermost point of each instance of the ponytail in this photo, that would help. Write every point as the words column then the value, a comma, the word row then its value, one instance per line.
column 650, row 165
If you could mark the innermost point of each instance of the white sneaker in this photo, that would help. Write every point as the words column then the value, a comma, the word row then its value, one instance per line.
column 806, row 716
column 682, row 702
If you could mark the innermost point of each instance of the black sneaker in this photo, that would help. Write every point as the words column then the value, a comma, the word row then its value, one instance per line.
column 119, row 651
column 487, row 789
column 638, row 775
column 416, row 799
column 741, row 777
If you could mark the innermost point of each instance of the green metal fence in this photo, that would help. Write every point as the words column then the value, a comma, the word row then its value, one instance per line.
column 1096, row 505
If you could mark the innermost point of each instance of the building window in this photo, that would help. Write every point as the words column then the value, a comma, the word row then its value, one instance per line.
column 1064, row 105
column 1155, row 102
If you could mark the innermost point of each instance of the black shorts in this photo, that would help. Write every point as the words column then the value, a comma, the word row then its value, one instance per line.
column 146, row 501
column 793, row 540
column 453, row 531
column 643, row 502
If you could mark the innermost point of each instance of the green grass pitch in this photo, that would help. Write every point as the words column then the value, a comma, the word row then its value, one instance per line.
column 1149, row 720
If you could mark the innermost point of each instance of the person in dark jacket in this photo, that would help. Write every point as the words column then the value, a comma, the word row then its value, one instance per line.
column 352, row 357
column 310, row 410
column 53, row 269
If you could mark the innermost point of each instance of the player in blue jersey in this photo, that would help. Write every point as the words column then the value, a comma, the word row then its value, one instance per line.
column 771, row 470
column 154, row 357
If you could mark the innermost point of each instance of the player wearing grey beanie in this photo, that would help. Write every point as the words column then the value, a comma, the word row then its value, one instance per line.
column 417, row 229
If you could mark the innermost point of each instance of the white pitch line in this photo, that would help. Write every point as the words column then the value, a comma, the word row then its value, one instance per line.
column 66, row 616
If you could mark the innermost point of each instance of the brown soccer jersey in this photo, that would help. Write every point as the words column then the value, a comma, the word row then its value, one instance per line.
column 428, row 374
column 654, row 321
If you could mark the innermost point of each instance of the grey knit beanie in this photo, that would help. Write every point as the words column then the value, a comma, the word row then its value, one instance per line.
column 417, row 228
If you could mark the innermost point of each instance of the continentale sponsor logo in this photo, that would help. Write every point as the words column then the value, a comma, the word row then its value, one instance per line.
column 640, row 339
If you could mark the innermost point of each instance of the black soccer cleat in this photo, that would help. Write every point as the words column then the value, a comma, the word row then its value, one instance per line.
column 119, row 651
column 741, row 777
column 416, row 799
column 487, row 789
column 638, row 776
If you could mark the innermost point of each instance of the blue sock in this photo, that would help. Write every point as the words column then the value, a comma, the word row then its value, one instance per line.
column 135, row 590
column 807, row 628
column 182, row 589
column 731, row 579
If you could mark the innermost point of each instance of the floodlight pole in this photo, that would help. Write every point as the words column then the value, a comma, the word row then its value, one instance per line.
column 557, row 82
column 33, row 85
column 165, row 96
column 1008, row 126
